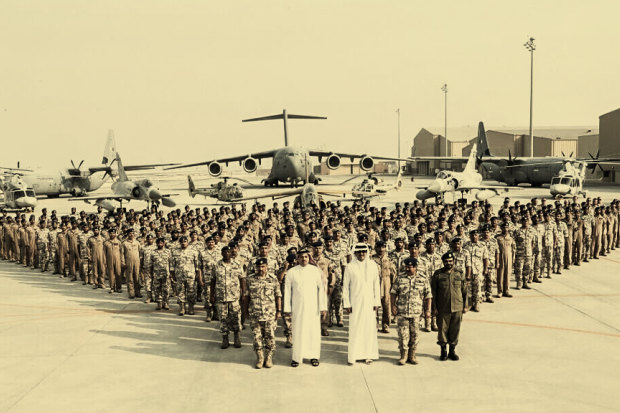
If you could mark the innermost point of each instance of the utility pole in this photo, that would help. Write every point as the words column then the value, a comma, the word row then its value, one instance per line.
column 444, row 89
column 398, row 112
column 530, row 46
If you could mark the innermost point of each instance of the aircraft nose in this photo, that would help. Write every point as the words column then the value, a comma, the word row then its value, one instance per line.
column 560, row 189
column 26, row 202
column 436, row 186
column 154, row 195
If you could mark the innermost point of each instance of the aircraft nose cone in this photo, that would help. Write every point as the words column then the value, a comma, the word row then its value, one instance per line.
column 560, row 189
column 435, row 186
column 154, row 194
column 26, row 202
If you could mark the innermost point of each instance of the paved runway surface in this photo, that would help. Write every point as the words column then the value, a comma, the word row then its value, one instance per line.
column 66, row 347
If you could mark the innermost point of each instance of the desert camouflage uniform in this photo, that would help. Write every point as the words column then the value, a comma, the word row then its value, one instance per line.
column 159, row 267
column 42, row 238
column 537, row 253
column 84, row 262
column 335, row 304
column 262, row 293
column 561, row 233
column 548, row 244
column 526, row 242
column 227, row 279
column 588, row 221
column 146, row 278
column 207, row 260
column 410, row 292
column 476, row 254
column 185, row 264
column 491, row 275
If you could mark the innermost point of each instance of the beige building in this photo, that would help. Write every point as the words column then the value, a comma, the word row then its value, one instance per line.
column 427, row 143
column 609, row 140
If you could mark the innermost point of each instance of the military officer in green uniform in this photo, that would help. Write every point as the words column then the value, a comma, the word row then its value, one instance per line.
column 449, row 291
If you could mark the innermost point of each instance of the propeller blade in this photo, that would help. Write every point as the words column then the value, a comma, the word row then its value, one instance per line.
column 81, row 162
column 72, row 164
column 571, row 154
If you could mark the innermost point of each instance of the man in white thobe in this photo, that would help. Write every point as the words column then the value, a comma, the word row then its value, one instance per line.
column 361, row 298
column 306, row 300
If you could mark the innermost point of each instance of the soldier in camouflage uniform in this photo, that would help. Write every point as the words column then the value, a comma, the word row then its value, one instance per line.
column 537, row 254
column 429, row 262
column 84, row 262
column 588, row 221
column 561, row 236
column 525, row 242
column 409, row 295
column 159, row 268
column 476, row 265
column 42, row 239
column 146, row 278
column 262, row 305
column 548, row 245
column 186, row 271
column 227, row 286
column 493, row 252
column 339, row 261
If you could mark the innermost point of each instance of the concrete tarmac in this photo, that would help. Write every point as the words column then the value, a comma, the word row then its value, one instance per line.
column 66, row 347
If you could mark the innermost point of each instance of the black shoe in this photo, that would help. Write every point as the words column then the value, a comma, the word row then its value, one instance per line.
column 339, row 324
column 452, row 355
column 444, row 354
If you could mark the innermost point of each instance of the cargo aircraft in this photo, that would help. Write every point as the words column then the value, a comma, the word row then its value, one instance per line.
column 290, row 162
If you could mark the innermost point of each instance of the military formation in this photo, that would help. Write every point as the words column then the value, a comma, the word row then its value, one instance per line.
column 435, row 261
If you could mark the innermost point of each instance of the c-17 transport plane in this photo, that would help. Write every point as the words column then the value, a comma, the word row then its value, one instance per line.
column 290, row 162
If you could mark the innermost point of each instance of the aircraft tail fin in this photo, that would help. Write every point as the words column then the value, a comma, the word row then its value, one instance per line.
column 284, row 116
column 471, row 162
column 399, row 180
column 109, row 152
column 482, row 143
column 191, row 187
column 122, row 175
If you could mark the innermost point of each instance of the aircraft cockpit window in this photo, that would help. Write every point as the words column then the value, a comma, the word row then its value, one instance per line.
column 555, row 181
column 290, row 154
column 19, row 194
column 566, row 181
column 148, row 183
column 442, row 175
column 30, row 193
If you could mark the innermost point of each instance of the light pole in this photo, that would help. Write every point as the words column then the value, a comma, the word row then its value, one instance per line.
column 398, row 112
column 444, row 89
column 530, row 46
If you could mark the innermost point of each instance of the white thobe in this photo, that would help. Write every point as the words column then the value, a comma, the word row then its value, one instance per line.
column 360, row 292
column 305, row 298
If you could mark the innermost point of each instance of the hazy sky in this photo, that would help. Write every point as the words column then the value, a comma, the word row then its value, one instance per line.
column 175, row 78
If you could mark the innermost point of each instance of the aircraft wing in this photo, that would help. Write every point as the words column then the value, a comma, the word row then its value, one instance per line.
column 492, row 187
column 354, row 156
column 102, row 197
column 275, row 194
column 130, row 167
column 256, row 155
column 438, row 158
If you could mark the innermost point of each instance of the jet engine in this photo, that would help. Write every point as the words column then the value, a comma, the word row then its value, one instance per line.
column 136, row 192
column 215, row 169
column 367, row 163
column 249, row 165
column 333, row 161
column 424, row 194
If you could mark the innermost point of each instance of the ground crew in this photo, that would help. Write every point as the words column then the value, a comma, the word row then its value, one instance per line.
column 131, row 264
column 96, row 258
column 506, row 252
column 387, row 274
column 42, row 240
column 112, row 254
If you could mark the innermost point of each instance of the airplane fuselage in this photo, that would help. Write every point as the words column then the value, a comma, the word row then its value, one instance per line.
column 61, row 182
column 535, row 171
column 290, row 165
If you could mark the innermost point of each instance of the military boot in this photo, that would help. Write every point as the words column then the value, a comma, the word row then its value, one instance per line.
column 158, row 305
column 190, row 311
column 411, row 358
column 208, row 317
column 237, row 342
column 434, row 324
column 427, row 325
column 452, row 354
column 289, row 342
column 526, row 286
column 225, row 342
column 165, row 306
column 444, row 354
column 259, row 359
column 149, row 297
column 182, row 309
column 475, row 307
column 403, row 357
column 269, row 359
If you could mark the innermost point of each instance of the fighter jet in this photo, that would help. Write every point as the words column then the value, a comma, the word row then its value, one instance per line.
column 76, row 181
column 466, row 181
column 305, row 196
column 289, row 163
column 17, row 195
column 124, row 189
